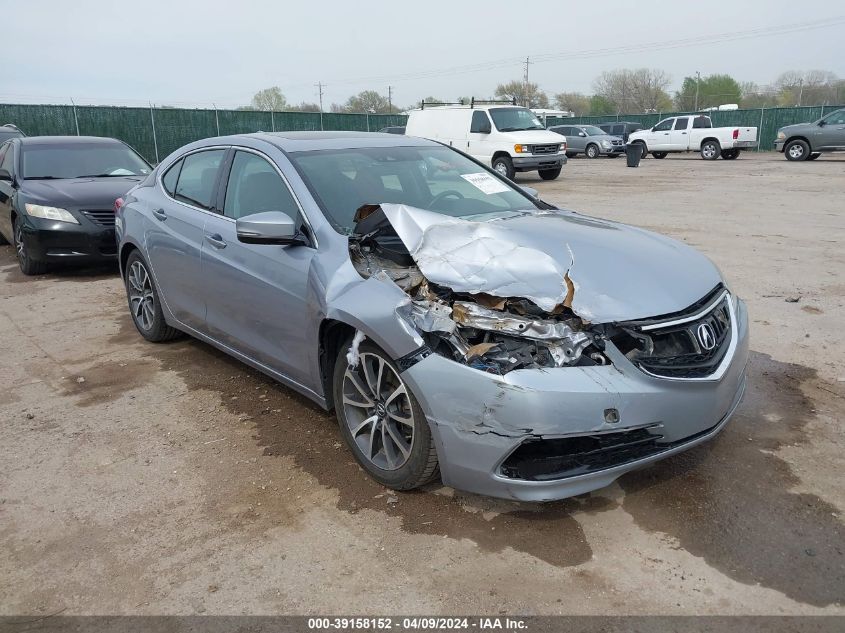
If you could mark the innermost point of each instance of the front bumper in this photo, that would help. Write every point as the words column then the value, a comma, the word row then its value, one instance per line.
column 479, row 419
column 779, row 145
column 613, row 149
column 546, row 161
column 64, row 242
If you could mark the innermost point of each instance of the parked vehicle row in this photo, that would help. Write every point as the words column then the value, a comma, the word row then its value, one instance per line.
column 406, row 285
column 590, row 140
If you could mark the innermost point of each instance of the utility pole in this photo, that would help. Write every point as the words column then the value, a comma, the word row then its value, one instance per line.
column 390, row 99
column 525, row 89
column 320, row 92
column 697, row 81
column 800, row 91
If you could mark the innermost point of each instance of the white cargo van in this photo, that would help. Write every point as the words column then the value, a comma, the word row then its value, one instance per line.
column 506, row 137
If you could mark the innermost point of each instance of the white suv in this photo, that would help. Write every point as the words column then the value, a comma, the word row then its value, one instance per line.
column 506, row 137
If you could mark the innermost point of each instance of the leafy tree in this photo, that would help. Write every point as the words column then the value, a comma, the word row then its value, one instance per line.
column 640, row 90
column 713, row 90
column 574, row 102
column 305, row 107
column 525, row 94
column 368, row 101
column 601, row 106
column 269, row 99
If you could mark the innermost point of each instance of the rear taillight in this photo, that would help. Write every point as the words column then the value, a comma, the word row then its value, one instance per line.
column 736, row 134
column 117, row 204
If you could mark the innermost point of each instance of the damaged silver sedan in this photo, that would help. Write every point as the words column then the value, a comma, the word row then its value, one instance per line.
column 460, row 327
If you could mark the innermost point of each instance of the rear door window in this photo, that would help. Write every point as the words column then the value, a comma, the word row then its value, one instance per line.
column 198, row 177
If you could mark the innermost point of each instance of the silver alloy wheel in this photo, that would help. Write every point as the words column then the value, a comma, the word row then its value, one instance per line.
column 501, row 168
column 592, row 151
column 141, row 298
column 709, row 150
column 20, row 248
column 796, row 151
column 377, row 409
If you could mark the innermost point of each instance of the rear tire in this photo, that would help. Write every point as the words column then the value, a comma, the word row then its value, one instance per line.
column 641, row 146
column 796, row 150
column 401, row 456
column 814, row 156
column 660, row 155
column 144, row 301
column 730, row 154
column 592, row 151
column 550, row 174
column 29, row 266
column 711, row 150
column 504, row 166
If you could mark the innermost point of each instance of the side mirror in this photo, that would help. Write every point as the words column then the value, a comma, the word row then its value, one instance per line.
column 532, row 192
column 822, row 123
column 582, row 134
column 268, row 227
column 5, row 175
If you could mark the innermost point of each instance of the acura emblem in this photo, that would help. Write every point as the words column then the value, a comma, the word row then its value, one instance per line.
column 706, row 336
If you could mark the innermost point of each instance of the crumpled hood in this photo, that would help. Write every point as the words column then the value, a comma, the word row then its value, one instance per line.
column 79, row 193
column 618, row 272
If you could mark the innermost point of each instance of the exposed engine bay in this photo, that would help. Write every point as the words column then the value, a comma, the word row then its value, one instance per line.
column 485, row 329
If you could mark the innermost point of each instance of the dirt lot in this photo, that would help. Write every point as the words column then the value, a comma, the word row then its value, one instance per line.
column 139, row 478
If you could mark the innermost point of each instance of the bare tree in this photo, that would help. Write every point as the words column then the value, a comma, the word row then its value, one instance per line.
column 811, row 87
column 305, row 107
column 640, row 90
column 529, row 93
column 269, row 99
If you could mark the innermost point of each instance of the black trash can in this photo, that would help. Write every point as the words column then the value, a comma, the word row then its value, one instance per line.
column 634, row 153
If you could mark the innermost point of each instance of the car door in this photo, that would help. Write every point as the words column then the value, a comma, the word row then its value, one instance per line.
column 578, row 139
column 679, row 135
column 478, row 138
column 660, row 136
column 174, row 234
column 257, row 294
column 7, row 191
column 831, row 135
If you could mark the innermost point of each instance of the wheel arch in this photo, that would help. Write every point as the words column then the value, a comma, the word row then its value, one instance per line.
column 798, row 137
column 125, row 251
column 332, row 335
column 500, row 154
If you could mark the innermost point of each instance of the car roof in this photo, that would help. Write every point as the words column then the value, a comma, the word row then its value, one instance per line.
column 76, row 140
column 303, row 141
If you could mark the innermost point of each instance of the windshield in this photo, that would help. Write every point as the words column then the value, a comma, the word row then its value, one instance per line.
column 592, row 130
column 515, row 119
column 435, row 178
column 76, row 160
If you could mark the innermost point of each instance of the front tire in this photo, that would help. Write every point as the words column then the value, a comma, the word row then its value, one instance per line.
column 381, row 421
column 796, row 150
column 592, row 151
column 503, row 165
column 28, row 265
column 144, row 301
column 710, row 150
column 660, row 155
column 550, row 174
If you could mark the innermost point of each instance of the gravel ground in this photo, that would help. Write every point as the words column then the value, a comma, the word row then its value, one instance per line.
column 170, row 479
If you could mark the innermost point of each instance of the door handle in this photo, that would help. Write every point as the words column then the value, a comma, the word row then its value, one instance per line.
column 216, row 240
column 160, row 214
column 683, row 132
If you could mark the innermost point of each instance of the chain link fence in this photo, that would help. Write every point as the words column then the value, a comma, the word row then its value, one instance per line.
column 155, row 132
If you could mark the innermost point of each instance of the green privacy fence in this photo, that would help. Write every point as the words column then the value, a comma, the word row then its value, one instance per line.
column 768, row 120
column 155, row 132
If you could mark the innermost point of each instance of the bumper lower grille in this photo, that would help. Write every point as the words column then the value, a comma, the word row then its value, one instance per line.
column 687, row 345
column 102, row 217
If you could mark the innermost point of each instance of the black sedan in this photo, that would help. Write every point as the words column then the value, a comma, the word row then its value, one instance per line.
column 57, row 196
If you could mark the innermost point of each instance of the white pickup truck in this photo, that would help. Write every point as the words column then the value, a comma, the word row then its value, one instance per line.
column 694, row 133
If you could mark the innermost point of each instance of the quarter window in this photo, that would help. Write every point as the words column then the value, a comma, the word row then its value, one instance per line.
column 664, row 126
column 681, row 123
column 197, row 177
column 255, row 186
column 480, row 122
column 170, row 178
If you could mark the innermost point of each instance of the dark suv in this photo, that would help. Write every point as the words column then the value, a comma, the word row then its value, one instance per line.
column 621, row 128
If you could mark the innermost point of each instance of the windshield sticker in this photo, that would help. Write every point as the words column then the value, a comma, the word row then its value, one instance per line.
column 486, row 183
